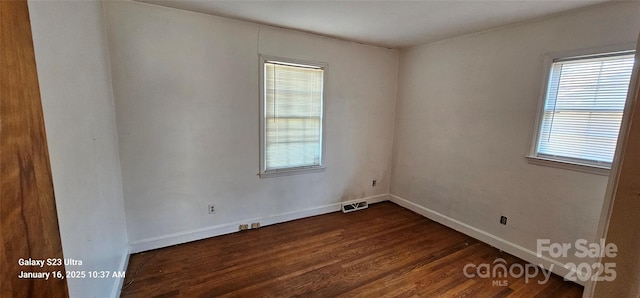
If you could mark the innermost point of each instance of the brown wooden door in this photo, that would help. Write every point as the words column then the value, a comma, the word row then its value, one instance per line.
column 29, row 222
column 624, row 193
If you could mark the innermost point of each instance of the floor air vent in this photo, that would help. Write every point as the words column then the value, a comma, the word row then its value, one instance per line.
column 348, row 207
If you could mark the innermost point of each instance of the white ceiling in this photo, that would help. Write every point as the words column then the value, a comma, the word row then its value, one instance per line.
column 390, row 23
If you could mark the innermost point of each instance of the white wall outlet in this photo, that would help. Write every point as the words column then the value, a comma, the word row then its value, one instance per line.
column 212, row 208
column 255, row 225
column 243, row 227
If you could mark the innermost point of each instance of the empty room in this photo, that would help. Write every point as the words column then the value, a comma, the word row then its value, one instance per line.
column 320, row 148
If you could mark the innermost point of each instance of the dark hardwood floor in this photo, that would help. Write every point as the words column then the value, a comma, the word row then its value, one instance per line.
column 384, row 250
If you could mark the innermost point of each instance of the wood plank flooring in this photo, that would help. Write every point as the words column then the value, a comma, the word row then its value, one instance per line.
column 383, row 251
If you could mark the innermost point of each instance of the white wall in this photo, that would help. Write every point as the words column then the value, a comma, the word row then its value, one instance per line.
column 75, row 86
column 186, row 92
column 186, row 89
column 464, row 122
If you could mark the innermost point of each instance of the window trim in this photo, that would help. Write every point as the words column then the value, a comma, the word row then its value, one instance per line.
column 533, row 157
column 263, row 172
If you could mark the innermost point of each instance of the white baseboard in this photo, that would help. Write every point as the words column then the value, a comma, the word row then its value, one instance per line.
column 497, row 242
column 124, row 263
column 212, row 231
column 217, row 230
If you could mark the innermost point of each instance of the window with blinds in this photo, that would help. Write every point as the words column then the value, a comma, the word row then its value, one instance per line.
column 292, row 112
column 582, row 112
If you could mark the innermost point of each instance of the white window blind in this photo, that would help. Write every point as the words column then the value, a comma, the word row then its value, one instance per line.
column 583, row 108
column 292, row 116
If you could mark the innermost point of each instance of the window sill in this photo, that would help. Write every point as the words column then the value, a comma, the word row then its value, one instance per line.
column 567, row 165
column 289, row 172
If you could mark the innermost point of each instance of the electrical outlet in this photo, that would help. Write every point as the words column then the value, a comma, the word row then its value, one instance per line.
column 255, row 225
column 373, row 183
column 503, row 220
column 244, row 227
column 212, row 208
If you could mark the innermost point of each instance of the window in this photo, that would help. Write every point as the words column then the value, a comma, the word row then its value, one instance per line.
column 291, row 116
column 582, row 111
